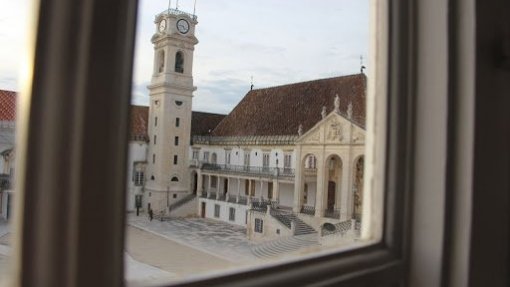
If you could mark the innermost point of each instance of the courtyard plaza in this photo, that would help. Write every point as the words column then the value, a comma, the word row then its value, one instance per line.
column 179, row 248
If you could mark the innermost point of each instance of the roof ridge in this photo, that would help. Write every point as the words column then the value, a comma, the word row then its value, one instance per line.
column 209, row 113
column 309, row 81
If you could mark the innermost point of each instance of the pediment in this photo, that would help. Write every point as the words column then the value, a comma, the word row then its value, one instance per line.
column 333, row 129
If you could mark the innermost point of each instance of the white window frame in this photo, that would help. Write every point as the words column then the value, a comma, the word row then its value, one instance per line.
column 195, row 154
column 78, row 169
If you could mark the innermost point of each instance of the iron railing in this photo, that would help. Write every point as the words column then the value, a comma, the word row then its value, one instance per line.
column 332, row 213
column 310, row 210
column 5, row 181
column 244, row 169
column 176, row 12
column 242, row 200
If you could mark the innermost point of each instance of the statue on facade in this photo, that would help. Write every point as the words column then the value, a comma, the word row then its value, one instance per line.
column 300, row 130
column 349, row 110
column 324, row 113
column 337, row 104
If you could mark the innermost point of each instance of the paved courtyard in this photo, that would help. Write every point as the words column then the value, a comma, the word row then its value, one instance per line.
column 217, row 238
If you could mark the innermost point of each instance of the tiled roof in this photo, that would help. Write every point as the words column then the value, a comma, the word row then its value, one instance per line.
column 7, row 105
column 280, row 110
column 203, row 123
column 139, row 122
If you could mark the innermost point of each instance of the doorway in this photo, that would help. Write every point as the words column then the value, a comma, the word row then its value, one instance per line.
column 331, row 195
column 202, row 210
column 225, row 186
column 195, row 183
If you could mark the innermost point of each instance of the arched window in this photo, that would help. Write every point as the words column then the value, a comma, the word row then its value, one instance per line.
column 161, row 61
column 179, row 62
column 175, row 179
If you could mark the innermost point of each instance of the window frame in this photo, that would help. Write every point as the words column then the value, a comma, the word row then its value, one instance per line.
column 76, row 169
column 376, row 261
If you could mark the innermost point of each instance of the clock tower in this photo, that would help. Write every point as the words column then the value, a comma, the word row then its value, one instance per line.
column 171, row 90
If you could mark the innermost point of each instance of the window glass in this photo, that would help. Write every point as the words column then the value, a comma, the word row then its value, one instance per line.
column 282, row 134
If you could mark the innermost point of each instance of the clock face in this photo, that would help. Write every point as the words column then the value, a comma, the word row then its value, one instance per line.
column 162, row 25
column 183, row 26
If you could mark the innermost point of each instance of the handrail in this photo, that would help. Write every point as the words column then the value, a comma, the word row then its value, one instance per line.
column 244, row 169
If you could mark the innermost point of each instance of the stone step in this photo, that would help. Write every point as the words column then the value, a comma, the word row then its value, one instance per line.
column 287, row 245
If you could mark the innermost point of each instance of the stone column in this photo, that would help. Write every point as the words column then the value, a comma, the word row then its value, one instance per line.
column 298, row 185
column 320, row 195
column 218, row 189
column 261, row 188
column 276, row 190
column 199, row 183
column 209, row 186
column 346, row 201
column 238, row 189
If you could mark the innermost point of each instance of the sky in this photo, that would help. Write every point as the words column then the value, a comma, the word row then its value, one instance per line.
column 274, row 41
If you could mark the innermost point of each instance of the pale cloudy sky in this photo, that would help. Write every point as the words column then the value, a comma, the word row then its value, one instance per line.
column 275, row 41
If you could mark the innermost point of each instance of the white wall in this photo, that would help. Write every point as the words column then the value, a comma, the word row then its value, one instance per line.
column 240, row 213
column 137, row 151
column 286, row 194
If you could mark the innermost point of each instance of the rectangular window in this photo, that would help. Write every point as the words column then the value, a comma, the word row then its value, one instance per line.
column 246, row 158
column 175, row 159
column 265, row 161
column 176, row 141
column 177, row 122
column 287, row 161
column 153, row 158
column 217, row 210
column 154, row 139
column 155, row 121
column 259, row 225
column 232, row 214
column 195, row 154
column 246, row 187
column 227, row 157
column 206, row 157
column 270, row 190
column 139, row 177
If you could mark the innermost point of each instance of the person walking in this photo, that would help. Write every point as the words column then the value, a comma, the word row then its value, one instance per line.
column 150, row 214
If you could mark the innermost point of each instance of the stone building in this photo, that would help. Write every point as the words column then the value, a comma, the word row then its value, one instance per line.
column 286, row 160
column 7, row 134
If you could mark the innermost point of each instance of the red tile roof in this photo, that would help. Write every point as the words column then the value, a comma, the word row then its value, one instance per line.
column 203, row 123
column 139, row 122
column 280, row 110
column 7, row 105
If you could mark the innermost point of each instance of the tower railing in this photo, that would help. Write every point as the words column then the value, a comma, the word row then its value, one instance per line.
column 177, row 12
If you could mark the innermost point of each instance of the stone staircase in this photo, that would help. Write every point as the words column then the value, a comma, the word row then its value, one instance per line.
column 287, row 217
column 283, row 246
column 181, row 202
